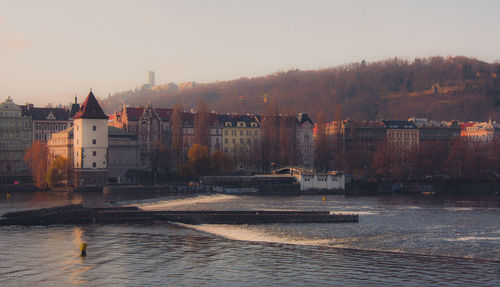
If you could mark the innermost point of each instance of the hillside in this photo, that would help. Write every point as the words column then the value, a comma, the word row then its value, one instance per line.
column 438, row 88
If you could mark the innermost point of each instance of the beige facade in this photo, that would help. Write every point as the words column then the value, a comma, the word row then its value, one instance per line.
column 15, row 138
column 61, row 144
column 241, row 140
column 403, row 135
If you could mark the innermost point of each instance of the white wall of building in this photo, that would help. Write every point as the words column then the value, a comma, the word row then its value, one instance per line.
column 90, row 143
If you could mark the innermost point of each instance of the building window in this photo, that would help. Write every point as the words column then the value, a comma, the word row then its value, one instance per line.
column 94, row 141
column 241, row 141
column 94, row 128
column 94, row 164
column 233, row 132
column 225, row 141
column 225, row 132
column 241, row 133
column 234, row 141
column 94, row 153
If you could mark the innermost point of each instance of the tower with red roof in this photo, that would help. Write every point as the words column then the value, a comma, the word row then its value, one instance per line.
column 90, row 144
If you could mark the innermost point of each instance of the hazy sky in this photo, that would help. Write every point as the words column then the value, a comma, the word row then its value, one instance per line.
column 50, row 50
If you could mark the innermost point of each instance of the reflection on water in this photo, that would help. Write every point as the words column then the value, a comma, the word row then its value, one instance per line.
column 433, row 237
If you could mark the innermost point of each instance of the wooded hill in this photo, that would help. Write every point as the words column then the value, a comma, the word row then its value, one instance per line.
column 438, row 88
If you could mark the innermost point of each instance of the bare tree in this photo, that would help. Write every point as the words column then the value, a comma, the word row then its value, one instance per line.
column 201, row 124
column 321, row 142
column 177, row 136
column 36, row 157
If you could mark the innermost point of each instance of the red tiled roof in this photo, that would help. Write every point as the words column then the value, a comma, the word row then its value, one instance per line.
column 134, row 113
column 464, row 126
column 90, row 109
column 164, row 114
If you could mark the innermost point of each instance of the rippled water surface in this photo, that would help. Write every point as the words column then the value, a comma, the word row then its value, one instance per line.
column 400, row 240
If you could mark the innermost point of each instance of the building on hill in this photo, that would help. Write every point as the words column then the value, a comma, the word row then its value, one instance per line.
column 186, row 85
column 46, row 121
column 90, row 144
column 151, row 79
column 241, row 140
column 305, row 141
column 15, row 138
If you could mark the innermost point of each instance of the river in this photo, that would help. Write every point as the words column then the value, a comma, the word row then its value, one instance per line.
column 400, row 240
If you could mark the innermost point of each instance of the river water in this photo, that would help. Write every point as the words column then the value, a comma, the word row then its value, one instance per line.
column 399, row 240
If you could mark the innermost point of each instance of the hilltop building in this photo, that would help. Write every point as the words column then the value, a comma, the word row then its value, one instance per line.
column 15, row 138
column 151, row 79
column 187, row 85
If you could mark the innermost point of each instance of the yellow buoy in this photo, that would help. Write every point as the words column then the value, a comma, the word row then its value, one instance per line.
column 324, row 198
column 83, row 248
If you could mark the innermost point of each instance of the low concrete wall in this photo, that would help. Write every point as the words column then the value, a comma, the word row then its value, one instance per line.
column 17, row 187
column 156, row 188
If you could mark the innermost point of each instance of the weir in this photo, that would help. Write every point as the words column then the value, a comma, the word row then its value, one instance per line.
column 78, row 214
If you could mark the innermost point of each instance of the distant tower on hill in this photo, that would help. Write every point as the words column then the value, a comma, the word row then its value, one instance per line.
column 151, row 78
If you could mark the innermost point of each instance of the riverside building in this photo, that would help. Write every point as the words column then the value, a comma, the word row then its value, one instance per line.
column 90, row 144
column 15, row 138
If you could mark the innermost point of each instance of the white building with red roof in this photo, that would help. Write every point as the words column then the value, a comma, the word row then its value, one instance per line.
column 90, row 151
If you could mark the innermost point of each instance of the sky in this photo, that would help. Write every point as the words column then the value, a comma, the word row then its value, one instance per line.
column 52, row 50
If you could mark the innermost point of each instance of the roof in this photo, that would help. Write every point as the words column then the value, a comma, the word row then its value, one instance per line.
column 90, row 109
column 303, row 118
column 74, row 109
column 134, row 113
column 399, row 124
column 114, row 132
column 235, row 118
column 59, row 114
